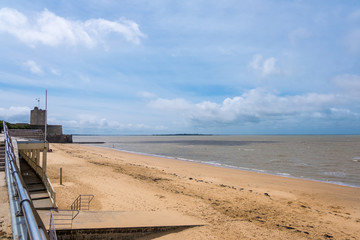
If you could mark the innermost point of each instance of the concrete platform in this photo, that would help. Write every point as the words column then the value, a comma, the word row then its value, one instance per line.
column 109, row 225
column 122, row 219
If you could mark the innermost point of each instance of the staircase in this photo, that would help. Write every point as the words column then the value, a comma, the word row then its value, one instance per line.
column 2, row 157
column 36, row 188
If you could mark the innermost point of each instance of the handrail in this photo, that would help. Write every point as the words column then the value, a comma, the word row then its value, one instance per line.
column 82, row 202
column 33, row 229
column 63, row 219
column 52, row 230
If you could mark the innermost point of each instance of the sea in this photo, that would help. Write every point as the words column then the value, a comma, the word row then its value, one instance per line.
column 327, row 158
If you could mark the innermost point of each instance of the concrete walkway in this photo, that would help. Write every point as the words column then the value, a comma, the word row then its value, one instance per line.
column 5, row 219
column 122, row 219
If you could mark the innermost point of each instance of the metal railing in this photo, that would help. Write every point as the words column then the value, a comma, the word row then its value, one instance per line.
column 63, row 219
column 82, row 202
column 34, row 226
column 52, row 230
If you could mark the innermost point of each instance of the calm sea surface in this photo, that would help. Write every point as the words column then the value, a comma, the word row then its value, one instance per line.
column 329, row 158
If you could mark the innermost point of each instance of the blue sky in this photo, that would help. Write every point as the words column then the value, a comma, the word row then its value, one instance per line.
column 144, row 67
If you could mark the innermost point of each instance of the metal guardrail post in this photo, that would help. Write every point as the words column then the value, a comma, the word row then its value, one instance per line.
column 52, row 229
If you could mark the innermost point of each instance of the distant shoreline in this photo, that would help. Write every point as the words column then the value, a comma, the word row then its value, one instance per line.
column 195, row 134
column 183, row 134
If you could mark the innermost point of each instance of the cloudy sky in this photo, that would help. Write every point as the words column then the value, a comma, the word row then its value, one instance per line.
column 200, row 66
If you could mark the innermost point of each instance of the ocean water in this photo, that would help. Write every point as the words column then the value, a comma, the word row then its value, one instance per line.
column 327, row 158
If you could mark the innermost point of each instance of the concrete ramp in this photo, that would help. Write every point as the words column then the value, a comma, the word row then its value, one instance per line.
column 122, row 225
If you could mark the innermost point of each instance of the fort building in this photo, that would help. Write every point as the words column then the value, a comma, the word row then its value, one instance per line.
column 37, row 116
column 36, row 129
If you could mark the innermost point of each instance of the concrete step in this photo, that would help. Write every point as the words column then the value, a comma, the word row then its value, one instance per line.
column 2, row 169
column 36, row 188
column 39, row 195
column 42, row 204
column 30, row 180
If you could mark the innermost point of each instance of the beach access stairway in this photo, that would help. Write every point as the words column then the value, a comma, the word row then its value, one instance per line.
column 33, row 134
column 2, row 156
column 36, row 188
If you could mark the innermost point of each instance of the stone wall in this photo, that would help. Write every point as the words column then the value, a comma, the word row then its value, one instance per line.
column 63, row 138
column 51, row 129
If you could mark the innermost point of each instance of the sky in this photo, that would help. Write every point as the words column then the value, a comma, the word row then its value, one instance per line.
column 200, row 66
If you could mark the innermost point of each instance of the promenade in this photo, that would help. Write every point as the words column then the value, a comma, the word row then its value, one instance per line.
column 5, row 220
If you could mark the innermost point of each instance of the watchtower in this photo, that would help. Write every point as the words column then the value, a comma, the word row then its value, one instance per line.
column 37, row 116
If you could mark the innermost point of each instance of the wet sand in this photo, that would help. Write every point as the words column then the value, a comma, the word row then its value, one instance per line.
column 234, row 204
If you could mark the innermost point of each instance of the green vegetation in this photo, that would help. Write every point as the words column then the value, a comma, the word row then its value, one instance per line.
column 14, row 126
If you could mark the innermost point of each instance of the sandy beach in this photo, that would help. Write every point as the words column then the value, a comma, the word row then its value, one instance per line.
column 233, row 204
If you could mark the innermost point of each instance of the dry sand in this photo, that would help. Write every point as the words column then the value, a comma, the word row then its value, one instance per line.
column 234, row 204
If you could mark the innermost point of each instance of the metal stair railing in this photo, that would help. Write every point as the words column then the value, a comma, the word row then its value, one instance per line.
column 52, row 230
column 34, row 226
column 62, row 219
column 82, row 202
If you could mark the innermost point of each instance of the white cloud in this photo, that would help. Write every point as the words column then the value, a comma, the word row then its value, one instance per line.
column 253, row 106
column 55, row 71
column 129, row 29
column 88, row 123
column 52, row 30
column 15, row 114
column 177, row 104
column 33, row 67
column 263, row 66
column 340, row 113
